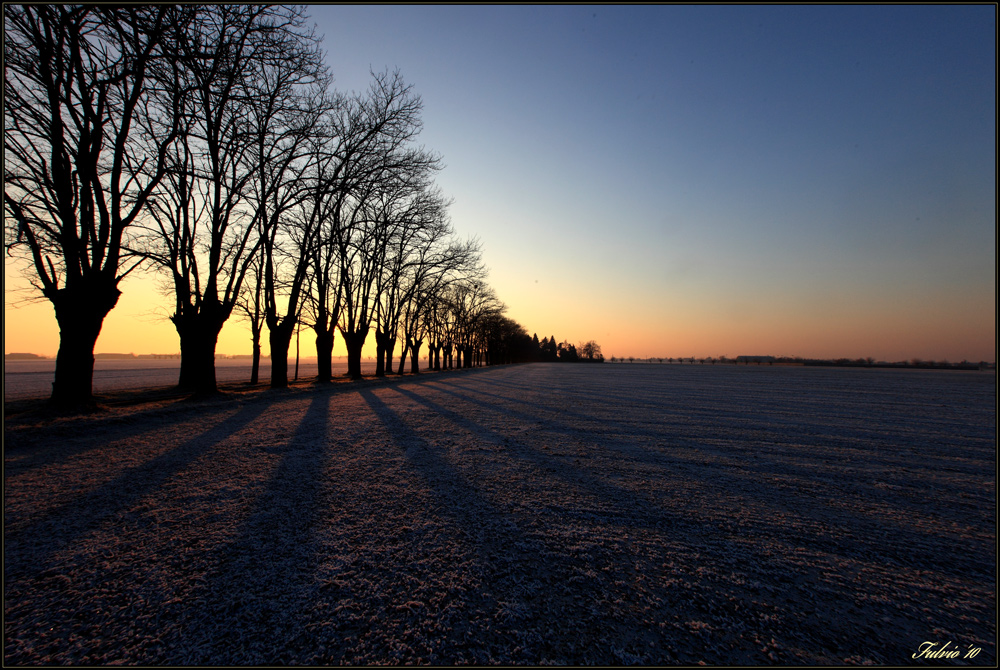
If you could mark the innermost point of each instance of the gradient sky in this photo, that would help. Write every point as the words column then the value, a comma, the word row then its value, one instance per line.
column 816, row 181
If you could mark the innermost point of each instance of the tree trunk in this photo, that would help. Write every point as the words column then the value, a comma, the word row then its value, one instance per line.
column 415, row 356
column 297, row 332
column 255, row 370
column 80, row 313
column 324, row 354
column 379, row 353
column 355, row 342
column 279, row 337
column 199, row 333
column 402, row 357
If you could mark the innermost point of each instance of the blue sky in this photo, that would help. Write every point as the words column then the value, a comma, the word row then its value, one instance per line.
column 685, row 174
column 709, row 180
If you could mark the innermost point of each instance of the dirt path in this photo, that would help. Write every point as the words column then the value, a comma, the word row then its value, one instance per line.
column 520, row 515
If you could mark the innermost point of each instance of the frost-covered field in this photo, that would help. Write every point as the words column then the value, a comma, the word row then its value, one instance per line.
column 33, row 379
column 528, row 514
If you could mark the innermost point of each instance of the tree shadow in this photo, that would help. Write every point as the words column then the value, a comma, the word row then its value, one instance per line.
column 624, row 502
column 511, row 565
column 460, row 498
column 701, row 454
column 792, row 521
column 261, row 585
column 30, row 447
column 43, row 538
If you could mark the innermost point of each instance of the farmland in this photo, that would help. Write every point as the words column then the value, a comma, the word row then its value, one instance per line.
column 524, row 514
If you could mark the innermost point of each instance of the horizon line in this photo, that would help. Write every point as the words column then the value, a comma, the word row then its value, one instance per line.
column 765, row 358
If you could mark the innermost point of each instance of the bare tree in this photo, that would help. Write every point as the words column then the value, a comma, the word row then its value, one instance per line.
column 472, row 301
column 327, row 193
column 366, row 148
column 388, row 119
column 287, row 129
column 289, row 100
column 86, row 129
column 418, row 257
column 250, row 306
column 434, row 280
column 207, row 231
column 285, row 280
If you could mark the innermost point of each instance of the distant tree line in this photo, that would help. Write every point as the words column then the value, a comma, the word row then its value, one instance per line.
column 551, row 351
column 868, row 362
column 206, row 142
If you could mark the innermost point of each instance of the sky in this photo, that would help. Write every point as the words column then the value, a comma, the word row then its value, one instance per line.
column 815, row 181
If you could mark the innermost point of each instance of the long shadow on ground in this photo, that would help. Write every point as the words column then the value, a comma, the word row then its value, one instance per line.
column 259, row 591
column 506, row 557
column 38, row 539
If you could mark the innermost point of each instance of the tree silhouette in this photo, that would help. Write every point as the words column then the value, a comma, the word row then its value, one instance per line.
column 291, row 100
column 266, row 193
column 250, row 306
column 208, row 224
column 591, row 350
column 421, row 261
column 568, row 353
column 87, row 124
column 391, row 117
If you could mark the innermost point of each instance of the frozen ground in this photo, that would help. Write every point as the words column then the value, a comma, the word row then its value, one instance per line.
column 33, row 379
column 520, row 515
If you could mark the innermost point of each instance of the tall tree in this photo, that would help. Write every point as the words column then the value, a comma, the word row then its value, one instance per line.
column 250, row 306
column 441, row 265
column 87, row 124
column 207, row 230
column 327, row 189
column 365, row 142
column 389, row 119
column 473, row 302
column 417, row 248
column 289, row 101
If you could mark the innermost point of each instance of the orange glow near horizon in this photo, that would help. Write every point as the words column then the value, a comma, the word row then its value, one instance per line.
column 138, row 324
column 684, row 325
column 695, row 324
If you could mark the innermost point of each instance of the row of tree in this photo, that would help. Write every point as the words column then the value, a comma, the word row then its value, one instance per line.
column 206, row 142
column 868, row 362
